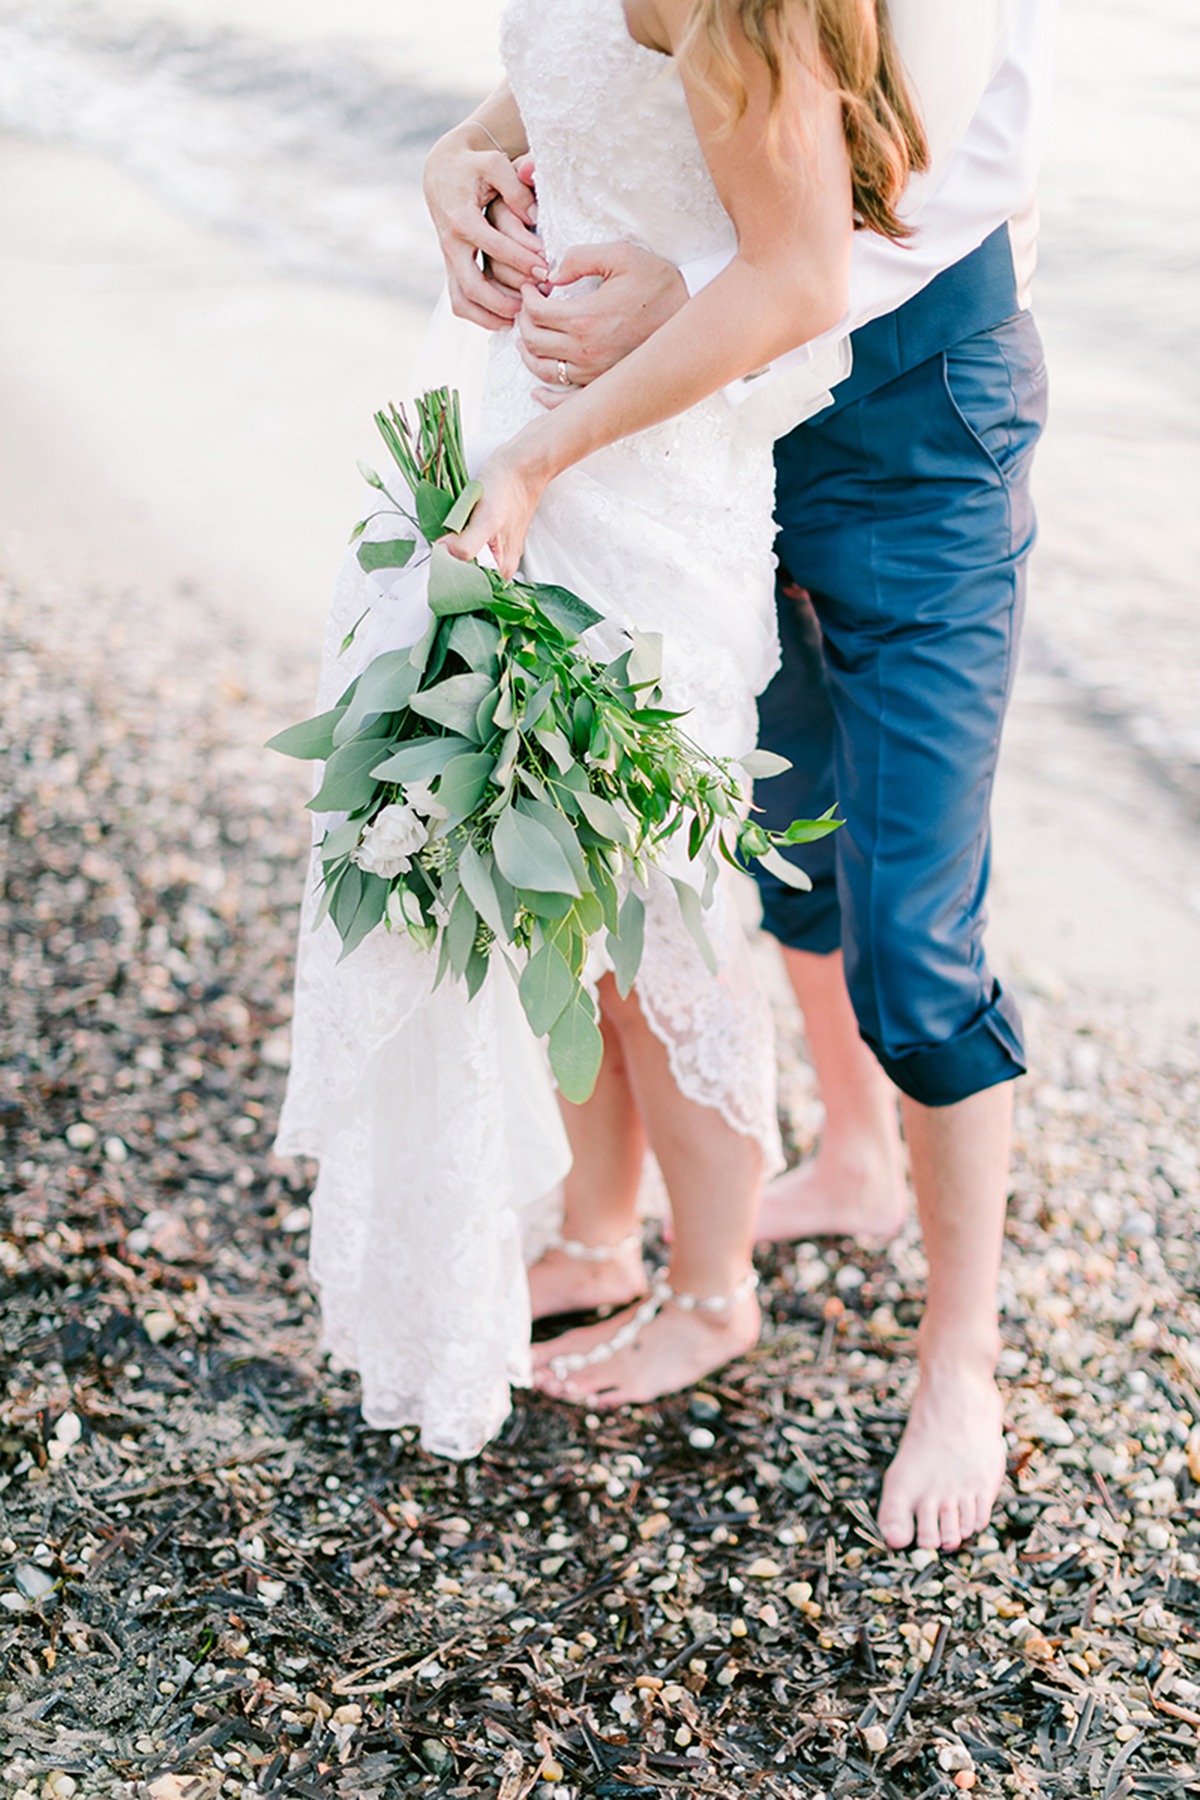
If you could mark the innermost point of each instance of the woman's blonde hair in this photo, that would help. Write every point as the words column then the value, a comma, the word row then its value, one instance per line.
column 884, row 134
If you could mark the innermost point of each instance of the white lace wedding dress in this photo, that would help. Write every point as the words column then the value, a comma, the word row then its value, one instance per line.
column 434, row 1119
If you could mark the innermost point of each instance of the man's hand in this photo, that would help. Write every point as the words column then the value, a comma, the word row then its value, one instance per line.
column 464, row 176
column 637, row 292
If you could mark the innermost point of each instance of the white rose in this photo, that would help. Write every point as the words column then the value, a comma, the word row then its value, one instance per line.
column 390, row 843
column 420, row 796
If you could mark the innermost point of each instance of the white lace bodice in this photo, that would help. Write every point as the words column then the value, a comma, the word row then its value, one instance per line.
column 609, row 128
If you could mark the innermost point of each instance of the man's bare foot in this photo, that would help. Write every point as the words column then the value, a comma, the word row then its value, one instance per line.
column 675, row 1350
column 950, row 1464
column 559, row 1283
column 845, row 1190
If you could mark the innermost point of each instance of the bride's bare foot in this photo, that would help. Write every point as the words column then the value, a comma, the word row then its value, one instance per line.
column 673, row 1351
column 950, row 1464
column 846, row 1190
column 559, row 1283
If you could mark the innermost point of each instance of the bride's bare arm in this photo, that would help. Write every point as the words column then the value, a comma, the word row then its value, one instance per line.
column 465, row 172
column 791, row 204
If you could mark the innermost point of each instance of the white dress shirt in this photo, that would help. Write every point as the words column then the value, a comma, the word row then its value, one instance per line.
column 981, row 72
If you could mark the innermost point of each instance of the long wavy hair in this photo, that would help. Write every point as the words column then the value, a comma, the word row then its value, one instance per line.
column 884, row 134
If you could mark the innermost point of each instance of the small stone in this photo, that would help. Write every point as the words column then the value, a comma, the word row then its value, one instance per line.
column 348, row 1715
column 653, row 1527
column 271, row 1592
column 764, row 1568
column 738, row 1628
column 1158, row 1536
column 552, row 1772
column 298, row 1219
column 33, row 1582
column 921, row 1559
column 798, row 1593
column 704, row 1407
column 68, row 1430
column 81, row 1135
column 59, row 1786
column 875, row 1739
column 965, row 1779
column 701, row 1438
column 434, row 1754
column 158, row 1324
column 115, row 1150
column 955, row 1756
column 14, row 1602
column 683, row 1737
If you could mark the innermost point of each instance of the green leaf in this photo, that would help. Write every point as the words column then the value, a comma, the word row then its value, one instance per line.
column 556, row 747
column 589, row 914
column 626, row 946
column 454, row 702
column 385, row 686
column 693, row 918
column 464, row 784
column 547, row 906
column 461, row 930
column 606, row 891
column 349, row 782
column 784, row 871
column 454, row 586
column 341, row 841
column 329, row 887
column 477, row 641
column 807, row 831
column 369, row 913
column 644, row 667
column 345, row 901
column 761, row 765
column 419, row 654
column 463, row 507
column 576, row 1050
column 433, row 509
column 421, row 759
column 477, row 878
column 528, row 856
column 393, row 553
column 572, row 615
column 311, row 740
column 476, row 973
column 559, row 828
column 545, row 987
column 603, row 817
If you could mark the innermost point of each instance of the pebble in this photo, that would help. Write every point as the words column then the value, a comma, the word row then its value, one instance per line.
column 81, row 1135
column 158, row 1324
column 701, row 1438
column 115, row 1150
column 33, row 1582
column 295, row 1221
column 59, row 1786
column 876, row 1739
column 434, row 1754
column 764, row 1568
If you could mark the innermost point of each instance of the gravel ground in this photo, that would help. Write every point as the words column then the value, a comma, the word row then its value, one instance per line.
column 215, row 1581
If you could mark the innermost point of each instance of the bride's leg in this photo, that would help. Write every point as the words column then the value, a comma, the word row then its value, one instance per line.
column 600, row 1196
column 713, row 1175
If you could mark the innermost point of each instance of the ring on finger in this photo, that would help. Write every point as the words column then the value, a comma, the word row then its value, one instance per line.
column 564, row 378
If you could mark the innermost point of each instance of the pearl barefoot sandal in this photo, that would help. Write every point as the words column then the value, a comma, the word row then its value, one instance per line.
column 661, row 1294
column 594, row 1253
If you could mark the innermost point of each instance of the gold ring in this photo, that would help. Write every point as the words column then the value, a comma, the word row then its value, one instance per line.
column 564, row 380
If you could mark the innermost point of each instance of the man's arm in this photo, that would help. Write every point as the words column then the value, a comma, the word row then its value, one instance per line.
column 468, row 170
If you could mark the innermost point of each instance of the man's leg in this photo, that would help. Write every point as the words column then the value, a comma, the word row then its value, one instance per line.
column 911, row 528
column 854, row 1185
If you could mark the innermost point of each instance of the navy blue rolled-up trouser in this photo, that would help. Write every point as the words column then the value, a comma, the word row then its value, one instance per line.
column 905, row 524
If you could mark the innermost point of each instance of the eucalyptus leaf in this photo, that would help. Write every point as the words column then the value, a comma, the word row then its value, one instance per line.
column 645, row 661
column 761, row 765
column 345, row 901
column 559, row 828
column 311, row 740
column 386, row 685
column 421, row 759
column 461, row 931
column 348, row 782
column 433, row 509
column 464, row 784
column 453, row 702
column 477, row 641
column 369, row 913
column 807, row 831
column 625, row 947
column 572, row 615
column 545, row 987
column 455, row 586
column 576, row 1051
column 528, row 855
column 392, row 553
column 785, row 871
column 475, row 873
column 693, row 917
column 477, row 968
column 603, row 817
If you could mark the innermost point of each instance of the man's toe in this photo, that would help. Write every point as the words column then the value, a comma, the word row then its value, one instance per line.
column 929, row 1526
column 950, row 1525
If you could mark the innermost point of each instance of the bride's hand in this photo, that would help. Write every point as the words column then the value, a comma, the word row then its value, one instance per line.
column 501, row 519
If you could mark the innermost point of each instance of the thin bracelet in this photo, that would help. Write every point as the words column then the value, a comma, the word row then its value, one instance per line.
column 488, row 134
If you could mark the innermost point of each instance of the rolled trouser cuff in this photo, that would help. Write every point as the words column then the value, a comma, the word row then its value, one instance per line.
column 802, row 921
column 989, row 1051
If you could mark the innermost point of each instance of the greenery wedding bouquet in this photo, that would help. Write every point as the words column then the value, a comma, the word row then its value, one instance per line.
column 503, row 791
